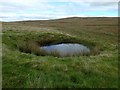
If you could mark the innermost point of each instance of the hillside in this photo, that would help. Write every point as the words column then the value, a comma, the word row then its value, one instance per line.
column 25, row 70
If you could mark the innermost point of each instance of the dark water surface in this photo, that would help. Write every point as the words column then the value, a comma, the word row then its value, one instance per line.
column 67, row 49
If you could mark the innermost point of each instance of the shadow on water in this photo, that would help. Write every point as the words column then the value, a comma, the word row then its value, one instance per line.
column 63, row 50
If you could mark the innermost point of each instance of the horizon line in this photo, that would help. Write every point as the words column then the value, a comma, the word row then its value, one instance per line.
column 60, row 18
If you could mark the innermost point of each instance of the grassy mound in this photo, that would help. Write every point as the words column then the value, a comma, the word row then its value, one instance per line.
column 31, row 43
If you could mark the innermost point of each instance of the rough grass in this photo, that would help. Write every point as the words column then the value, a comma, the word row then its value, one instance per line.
column 32, row 43
column 25, row 70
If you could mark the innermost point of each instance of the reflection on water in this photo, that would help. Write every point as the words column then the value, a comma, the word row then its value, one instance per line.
column 67, row 49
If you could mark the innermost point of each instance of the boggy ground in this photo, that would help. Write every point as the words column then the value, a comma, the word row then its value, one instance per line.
column 26, row 70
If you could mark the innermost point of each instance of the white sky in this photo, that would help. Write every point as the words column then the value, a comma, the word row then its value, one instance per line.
column 11, row 10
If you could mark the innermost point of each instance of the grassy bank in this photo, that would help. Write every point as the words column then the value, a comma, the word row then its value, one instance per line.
column 32, row 43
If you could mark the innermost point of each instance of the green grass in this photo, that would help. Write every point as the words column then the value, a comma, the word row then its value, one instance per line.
column 26, row 70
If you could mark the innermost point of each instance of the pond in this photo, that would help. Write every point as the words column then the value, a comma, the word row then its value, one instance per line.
column 67, row 49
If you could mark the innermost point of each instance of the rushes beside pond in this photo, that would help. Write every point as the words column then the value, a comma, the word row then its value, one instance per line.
column 95, row 50
column 30, row 47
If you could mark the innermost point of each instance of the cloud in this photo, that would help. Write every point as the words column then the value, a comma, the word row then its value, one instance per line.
column 103, row 4
column 51, row 9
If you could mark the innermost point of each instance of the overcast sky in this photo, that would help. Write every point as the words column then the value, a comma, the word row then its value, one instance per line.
column 13, row 10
